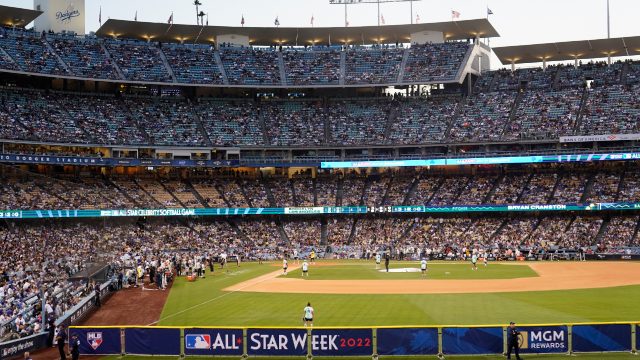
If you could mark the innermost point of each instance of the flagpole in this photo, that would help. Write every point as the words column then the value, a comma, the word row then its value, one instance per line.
column 608, row 22
column 378, row 12
column 411, row 7
column 346, row 22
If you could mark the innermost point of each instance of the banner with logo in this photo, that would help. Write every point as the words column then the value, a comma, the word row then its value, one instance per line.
column 339, row 342
column 598, row 338
column 472, row 341
column 277, row 342
column 198, row 341
column 544, row 339
column 97, row 341
column 605, row 137
column 152, row 341
column 408, row 341
column 16, row 348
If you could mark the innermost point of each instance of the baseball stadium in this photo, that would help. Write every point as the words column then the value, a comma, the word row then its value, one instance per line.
column 454, row 186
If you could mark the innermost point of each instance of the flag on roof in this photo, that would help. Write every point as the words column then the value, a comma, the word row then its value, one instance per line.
column 455, row 14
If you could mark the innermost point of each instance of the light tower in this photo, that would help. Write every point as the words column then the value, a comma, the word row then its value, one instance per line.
column 378, row 2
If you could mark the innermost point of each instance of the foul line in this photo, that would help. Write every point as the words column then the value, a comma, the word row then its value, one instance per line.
column 275, row 274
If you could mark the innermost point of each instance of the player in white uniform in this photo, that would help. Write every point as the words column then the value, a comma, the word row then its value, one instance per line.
column 378, row 259
column 305, row 268
column 295, row 256
column 285, row 266
column 474, row 260
column 485, row 255
column 423, row 267
column 308, row 315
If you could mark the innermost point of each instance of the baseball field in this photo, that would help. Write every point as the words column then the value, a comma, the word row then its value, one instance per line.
column 356, row 293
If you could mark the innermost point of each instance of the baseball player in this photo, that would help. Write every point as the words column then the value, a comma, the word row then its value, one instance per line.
column 474, row 261
column 423, row 267
column 305, row 268
column 285, row 266
column 308, row 315
column 484, row 259
column 378, row 259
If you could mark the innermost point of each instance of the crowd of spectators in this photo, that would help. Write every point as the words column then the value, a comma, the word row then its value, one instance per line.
column 247, row 66
column 85, row 57
column 29, row 53
column 375, row 65
column 435, row 62
column 312, row 67
column 138, row 61
column 193, row 64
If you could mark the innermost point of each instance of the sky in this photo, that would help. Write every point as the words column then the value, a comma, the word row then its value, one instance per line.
column 518, row 21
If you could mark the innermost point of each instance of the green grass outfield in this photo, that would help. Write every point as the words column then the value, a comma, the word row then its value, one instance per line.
column 543, row 357
column 359, row 270
column 203, row 303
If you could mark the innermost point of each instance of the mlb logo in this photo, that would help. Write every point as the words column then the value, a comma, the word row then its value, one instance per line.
column 197, row 341
column 94, row 339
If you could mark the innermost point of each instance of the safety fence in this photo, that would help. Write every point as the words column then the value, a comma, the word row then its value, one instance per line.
column 355, row 341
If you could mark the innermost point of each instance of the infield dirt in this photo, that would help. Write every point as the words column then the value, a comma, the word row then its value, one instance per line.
column 552, row 276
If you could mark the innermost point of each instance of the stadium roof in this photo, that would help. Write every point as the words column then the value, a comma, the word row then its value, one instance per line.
column 19, row 17
column 569, row 50
column 453, row 30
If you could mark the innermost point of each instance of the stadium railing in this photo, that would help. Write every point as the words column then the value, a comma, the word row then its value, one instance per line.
column 558, row 338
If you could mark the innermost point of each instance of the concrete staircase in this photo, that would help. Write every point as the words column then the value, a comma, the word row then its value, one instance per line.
column 283, row 72
column 55, row 53
column 403, row 64
column 216, row 56
column 113, row 62
column 343, row 67
column 166, row 65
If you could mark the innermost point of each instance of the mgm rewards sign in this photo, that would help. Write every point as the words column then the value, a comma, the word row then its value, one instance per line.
column 547, row 339
column 60, row 15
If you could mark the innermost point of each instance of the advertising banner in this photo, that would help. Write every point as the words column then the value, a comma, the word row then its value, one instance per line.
column 472, row 341
column 339, row 342
column 198, row 341
column 16, row 348
column 97, row 341
column 276, row 342
column 544, row 339
column 152, row 341
column 414, row 341
column 599, row 338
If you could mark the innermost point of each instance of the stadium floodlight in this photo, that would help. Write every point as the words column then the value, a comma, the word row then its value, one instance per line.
column 355, row 2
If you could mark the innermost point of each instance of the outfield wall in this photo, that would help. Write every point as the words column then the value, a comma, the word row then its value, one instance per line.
column 356, row 341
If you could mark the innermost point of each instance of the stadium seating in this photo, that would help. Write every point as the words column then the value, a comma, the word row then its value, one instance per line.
column 251, row 66
column 85, row 57
column 138, row 61
column 312, row 67
column 373, row 65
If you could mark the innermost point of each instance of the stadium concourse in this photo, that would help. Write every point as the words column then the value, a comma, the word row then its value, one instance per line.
column 219, row 125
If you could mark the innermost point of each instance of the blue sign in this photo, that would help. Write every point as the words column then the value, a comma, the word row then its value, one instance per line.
column 98, row 161
column 339, row 342
column 544, row 339
column 482, row 160
column 97, row 341
column 276, row 342
column 472, row 341
column 408, row 341
column 198, row 341
column 599, row 338
column 152, row 341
